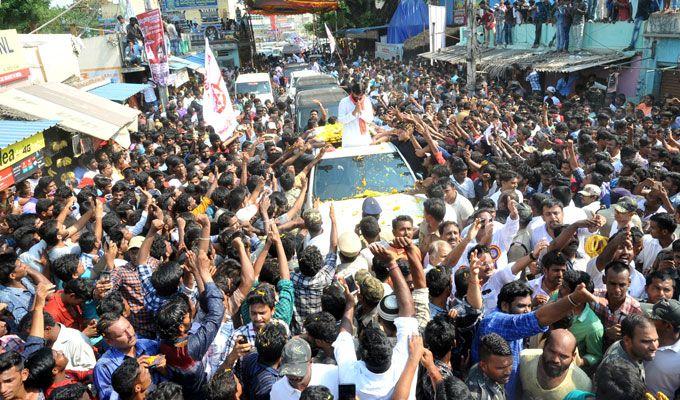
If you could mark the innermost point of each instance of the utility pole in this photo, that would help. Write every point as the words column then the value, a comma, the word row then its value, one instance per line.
column 471, row 47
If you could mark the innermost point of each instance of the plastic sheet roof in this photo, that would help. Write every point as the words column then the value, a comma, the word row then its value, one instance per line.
column 118, row 91
column 15, row 131
column 493, row 60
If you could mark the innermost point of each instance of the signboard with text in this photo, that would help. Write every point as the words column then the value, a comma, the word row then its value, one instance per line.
column 21, row 170
column 459, row 15
column 12, row 61
column 171, row 5
column 16, row 152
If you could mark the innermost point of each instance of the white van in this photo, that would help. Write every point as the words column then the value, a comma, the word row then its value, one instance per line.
column 259, row 84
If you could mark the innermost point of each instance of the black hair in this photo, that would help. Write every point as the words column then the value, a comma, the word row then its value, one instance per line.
column 39, row 366
column 269, row 342
column 81, row 288
column 452, row 388
column 618, row 379
column 49, row 232
column 87, row 242
column 435, row 208
column 438, row 280
column 222, row 386
column 369, row 227
column 166, row 391
column 562, row 194
column 262, row 294
column 375, row 349
column 165, row 279
column 7, row 267
column 478, row 249
column 105, row 322
column 287, row 181
column 73, row 391
column 551, row 202
column 572, row 278
column 170, row 317
column 113, row 303
column 552, row 258
column 316, row 392
column 11, row 359
column 42, row 205
column 512, row 290
column 310, row 261
column 322, row 326
column 401, row 218
column 66, row 266
column 333, row 301
column 26, row 322
column 660, row 275
column 665, row 221
column 616, row 267
column 633, row 321
column 440, row 335
column 493, row 344
column 123, row 378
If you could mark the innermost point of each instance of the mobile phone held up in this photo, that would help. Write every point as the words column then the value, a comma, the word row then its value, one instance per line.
column 347, row 391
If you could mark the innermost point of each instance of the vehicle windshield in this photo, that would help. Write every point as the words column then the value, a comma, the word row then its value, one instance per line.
column 361, row 176
column 253, row 87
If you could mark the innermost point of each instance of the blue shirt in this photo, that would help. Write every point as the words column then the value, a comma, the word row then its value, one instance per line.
column 111, row 360
column 256, row 378
column 514, row 328
column 18, row 300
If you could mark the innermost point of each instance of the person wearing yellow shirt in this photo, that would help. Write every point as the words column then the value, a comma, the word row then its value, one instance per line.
column 551, row 373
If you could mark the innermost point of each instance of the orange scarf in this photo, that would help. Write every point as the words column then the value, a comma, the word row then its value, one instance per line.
column 363, row 128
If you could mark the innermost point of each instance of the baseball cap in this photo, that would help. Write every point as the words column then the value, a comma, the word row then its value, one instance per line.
column 136, row 242
column 618, row 193
column 349, row 244
column 667, row 310
column 625, row 205
column 590, row 190
column 389, row 307
column 370, row 206
column 295, row 357
column 370, row 287
column 551, row 89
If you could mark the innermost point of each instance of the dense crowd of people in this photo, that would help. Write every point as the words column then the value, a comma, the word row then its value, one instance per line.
column 190, row 265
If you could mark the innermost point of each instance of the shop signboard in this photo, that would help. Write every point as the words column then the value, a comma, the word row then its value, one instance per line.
column 16, row 152
column 12, row 62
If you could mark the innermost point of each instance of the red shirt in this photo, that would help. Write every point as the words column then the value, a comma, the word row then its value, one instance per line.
column 69, row 316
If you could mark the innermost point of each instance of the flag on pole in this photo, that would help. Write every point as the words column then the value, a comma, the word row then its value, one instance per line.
column 331, row 39
column 218, row 110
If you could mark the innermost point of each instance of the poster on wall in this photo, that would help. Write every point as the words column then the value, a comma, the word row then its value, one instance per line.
column 152, row 28
column 459, row 15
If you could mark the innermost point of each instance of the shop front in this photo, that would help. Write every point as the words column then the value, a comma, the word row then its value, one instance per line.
column 22, row 145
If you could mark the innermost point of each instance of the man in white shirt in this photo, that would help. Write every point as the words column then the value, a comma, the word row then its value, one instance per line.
column 73, row 343
column 508, row 181
column 299, row 372
column 355, row 112
column 661, row 236
column 381, row 364
column 619, row 248
column 458, row 208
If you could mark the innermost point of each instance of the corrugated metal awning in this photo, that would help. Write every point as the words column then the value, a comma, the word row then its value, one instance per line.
column 15, row 131
column 77, row 111
column 118, row 91
column 179, row 63
column 490, row 59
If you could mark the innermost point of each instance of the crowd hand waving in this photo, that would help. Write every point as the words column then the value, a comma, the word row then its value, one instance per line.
column 474, row 229
column 91, row 329
column 42, row 292
column 349, row 298
column 475, row 269
column 382, row 253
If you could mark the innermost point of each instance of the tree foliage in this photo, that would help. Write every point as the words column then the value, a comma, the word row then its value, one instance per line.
column 354, row 14
column 27, row 15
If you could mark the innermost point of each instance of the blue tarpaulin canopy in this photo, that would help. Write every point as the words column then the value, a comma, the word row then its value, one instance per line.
column 15, row 131
column 409, row 19
column 118, row 91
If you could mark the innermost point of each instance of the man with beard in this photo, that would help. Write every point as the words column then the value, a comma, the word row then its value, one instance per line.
column 639, row 343
column 551, row 374
column 554, row 265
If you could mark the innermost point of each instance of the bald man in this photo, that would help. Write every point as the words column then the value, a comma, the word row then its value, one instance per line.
column 551, row 373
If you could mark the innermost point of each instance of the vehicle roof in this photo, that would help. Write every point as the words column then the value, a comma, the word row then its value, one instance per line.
column 304, row 73
column 360, row 151
column 313, row 80
column 327, row 94
column 257, row 77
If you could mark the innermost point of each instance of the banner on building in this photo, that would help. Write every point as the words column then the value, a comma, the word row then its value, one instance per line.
column 151, row 25
column 218, row 110
column 12, row 62
column 438, row 26
column 388, row 51
column 459, row 14
column 18, row 151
